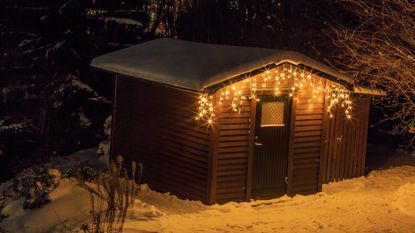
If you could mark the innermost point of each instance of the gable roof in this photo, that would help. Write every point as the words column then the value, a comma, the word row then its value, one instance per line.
column 198, row 66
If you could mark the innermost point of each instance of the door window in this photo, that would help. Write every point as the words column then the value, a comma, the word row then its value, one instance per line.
column 272, row 114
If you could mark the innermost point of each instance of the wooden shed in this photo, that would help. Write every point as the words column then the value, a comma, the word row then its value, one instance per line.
column 223, row 123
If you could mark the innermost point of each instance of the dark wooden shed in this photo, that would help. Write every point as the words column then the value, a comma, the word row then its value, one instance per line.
column 224, row 123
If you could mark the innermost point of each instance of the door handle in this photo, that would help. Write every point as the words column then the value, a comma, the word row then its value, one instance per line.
column 258, row 144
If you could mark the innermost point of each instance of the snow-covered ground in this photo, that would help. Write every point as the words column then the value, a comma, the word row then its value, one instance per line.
column 384, row 201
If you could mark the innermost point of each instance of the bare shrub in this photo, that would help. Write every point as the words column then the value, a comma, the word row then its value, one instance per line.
column 112, row 193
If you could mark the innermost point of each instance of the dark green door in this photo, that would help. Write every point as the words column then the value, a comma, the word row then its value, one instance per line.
column 272, row 135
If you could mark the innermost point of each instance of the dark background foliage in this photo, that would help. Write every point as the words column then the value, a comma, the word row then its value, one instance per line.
column 53, row 104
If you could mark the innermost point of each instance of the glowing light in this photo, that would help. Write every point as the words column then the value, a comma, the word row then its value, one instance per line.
column 236, row 94
column 339, row 96
column 206, row 108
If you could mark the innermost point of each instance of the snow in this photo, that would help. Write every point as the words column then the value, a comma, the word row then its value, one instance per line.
column 84, row 121
column 104, row 146
column 404, row 199
column 87, row 156
column 124, row 21
column 196, row 66
column 69, row 205
column 383, row 201
column 76, row 86
column 373, row 204
column 15, row 127
column 368, row 91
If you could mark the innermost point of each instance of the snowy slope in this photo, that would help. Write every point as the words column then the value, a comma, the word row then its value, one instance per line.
column 384, row 201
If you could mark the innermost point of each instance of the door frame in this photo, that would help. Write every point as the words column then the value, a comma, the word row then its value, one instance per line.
column 251, row 147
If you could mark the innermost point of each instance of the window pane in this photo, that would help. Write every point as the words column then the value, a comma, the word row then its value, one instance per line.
column 272, row 114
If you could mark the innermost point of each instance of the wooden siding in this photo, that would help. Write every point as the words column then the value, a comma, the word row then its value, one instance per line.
column 305, row 146
column 233, row 141
column 155, row 125
column 236, row 131
column 344, row 150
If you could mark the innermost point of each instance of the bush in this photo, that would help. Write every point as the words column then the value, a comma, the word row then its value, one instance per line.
column 83, row 171
column 35, row 185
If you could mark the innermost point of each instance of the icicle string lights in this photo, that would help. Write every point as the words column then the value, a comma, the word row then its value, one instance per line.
column 205, row 111
column 283, row 79
column 339, row 96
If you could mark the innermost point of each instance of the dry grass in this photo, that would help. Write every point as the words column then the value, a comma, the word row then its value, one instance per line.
column 112, row 194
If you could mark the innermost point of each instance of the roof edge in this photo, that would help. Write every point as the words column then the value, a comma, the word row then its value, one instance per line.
column 238, row 77
column 368, row 91
column 126, row 75
column 216, row 86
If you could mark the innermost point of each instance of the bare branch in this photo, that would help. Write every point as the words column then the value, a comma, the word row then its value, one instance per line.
column 380, row 53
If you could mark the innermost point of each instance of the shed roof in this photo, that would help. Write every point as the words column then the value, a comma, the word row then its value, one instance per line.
column 197, row 66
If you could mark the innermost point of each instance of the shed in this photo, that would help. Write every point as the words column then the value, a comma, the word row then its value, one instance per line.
column 222, row 123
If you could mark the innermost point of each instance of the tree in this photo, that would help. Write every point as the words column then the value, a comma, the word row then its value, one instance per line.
column 45, row 89
column 379, row 52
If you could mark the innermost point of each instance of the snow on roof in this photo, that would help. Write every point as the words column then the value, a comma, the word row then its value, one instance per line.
column 368, row 91
column 197, row 66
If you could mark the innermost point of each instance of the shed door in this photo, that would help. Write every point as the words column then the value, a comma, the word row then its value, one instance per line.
column 272, row 135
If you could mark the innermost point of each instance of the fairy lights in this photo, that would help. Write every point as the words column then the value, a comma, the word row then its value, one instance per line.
column 205, row 111
column 339, row 96
column 284, row 79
